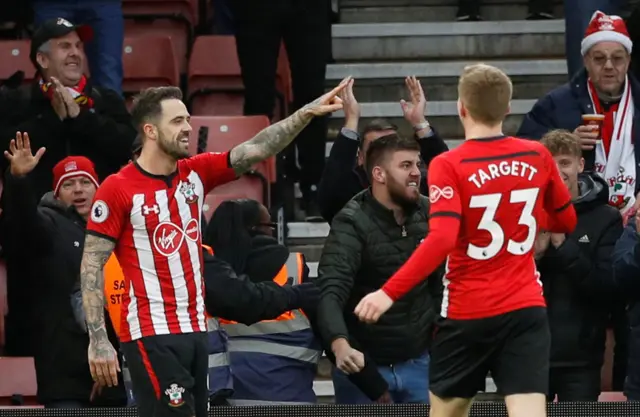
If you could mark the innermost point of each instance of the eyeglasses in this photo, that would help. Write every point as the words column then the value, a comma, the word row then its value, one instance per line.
column 616, row 61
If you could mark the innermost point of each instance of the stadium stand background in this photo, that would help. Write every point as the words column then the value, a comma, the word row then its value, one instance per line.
column 378, row 42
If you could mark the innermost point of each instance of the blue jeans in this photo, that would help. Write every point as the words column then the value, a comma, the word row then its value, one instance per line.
column 408, row 383
column 577, row 16
column 104, row 52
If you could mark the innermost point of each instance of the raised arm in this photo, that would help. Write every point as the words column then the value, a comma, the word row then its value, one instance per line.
column 276, row 137
column 103, row 359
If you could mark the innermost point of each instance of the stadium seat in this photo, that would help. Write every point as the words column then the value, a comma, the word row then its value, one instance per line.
column 245, row 187
column 219, row 134
column 148, row 61
column 17, row 379
column 612, row 397
column 215, row 83
column 14, row 56
column 174, row 18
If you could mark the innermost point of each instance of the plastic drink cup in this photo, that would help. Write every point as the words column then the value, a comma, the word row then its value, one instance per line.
column 594, row 120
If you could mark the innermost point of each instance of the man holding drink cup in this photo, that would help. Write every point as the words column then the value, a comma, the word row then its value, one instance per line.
column 598, row 105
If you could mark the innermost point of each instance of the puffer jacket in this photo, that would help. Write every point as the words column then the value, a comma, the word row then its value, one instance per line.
column 365, row 247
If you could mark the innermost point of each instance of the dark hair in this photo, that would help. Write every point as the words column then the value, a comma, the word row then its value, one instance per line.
column 148, row 104
column 229, row 231
column 383, row 146
column 377, row 125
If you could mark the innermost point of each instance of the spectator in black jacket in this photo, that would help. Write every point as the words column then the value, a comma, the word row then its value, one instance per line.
column 241, row 234
column 370, row 238
column 62, row 111
column 577, row 276
column 45, row 251
column 344, row 174
column 626, row 267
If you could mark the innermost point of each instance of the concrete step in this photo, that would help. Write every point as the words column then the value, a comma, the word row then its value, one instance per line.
column 441, row 13
column 447, row 40
column 311, row 251
column 385, row 81
column 324, row 388
column 441, row 114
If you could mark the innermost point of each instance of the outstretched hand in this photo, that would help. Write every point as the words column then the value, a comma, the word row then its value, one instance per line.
column 414, row 110
column 22, row 160
column 329, row 102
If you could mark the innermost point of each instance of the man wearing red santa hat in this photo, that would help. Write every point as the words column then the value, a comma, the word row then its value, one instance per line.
column 44, row 250
column 606, row 88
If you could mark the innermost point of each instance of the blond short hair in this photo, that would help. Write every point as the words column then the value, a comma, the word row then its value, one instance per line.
column 485, row 92
column 562, row 142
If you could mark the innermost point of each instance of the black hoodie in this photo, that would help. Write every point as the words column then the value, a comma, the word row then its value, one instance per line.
column 44, row 243
column 265, row 259
column 578, row 280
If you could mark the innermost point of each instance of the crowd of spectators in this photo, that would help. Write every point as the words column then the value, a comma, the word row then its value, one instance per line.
column 67, row 131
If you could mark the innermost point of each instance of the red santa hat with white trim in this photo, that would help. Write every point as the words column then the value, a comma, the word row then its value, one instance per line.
column 606, row 28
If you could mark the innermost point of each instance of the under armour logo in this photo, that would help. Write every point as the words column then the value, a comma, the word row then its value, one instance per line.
column 76, row 244
column 435, row 193
column 153, row 209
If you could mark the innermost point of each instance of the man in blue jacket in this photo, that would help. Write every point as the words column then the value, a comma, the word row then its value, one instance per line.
column 604, row 87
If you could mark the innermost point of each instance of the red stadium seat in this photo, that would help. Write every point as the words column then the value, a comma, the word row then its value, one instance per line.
column 148, row 61
column 612, row 397
column 17, row 377
column 215, row 83
column 174, row 18
column 244, row 187
column 223, row 133
column 14, row 56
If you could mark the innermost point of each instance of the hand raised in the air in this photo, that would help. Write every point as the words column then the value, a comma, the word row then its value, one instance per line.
column 19, row 155
column 414, row 110
column 327, row 103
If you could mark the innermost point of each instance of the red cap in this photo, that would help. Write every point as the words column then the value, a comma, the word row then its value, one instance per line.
column 73, row 166
column 605, row 28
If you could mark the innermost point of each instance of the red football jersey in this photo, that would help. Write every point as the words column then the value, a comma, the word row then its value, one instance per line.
column 498, row 189
column 155, row 222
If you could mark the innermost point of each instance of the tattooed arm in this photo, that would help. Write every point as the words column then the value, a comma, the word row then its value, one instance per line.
column 101, row 353
column 276, row 137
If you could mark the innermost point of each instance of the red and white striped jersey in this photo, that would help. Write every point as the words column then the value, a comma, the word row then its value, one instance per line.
column 155, row 222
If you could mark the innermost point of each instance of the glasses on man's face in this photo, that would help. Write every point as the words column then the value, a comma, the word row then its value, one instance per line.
column 616, row 60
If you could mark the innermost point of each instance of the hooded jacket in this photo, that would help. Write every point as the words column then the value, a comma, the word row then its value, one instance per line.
column 265, row 259
column 578, row 279
column 44, row 244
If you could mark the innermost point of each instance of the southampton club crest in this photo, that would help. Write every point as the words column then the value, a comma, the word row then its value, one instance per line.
column 188, row 190
column 174, row 392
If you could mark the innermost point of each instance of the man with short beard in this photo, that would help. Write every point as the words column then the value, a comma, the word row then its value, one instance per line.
column 149, row 214
column 370, row 238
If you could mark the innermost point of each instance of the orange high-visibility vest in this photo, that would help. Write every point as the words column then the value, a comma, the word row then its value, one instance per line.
column 114, row 289
column 281, row 279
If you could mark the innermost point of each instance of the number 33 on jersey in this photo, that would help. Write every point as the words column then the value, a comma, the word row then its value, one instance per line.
column 501, row 189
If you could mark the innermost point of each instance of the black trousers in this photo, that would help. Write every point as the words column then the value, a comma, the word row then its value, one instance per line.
column 574, row 384
column 304, row 27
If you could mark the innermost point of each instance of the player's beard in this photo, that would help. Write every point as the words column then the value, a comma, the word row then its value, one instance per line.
column 399, row 193
column 172, row 147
